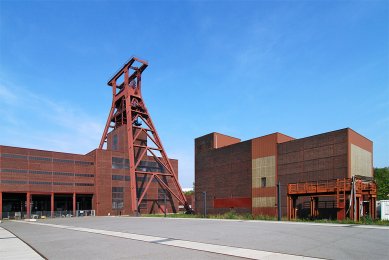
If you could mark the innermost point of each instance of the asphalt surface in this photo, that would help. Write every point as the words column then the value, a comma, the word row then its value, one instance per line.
column 301, row 239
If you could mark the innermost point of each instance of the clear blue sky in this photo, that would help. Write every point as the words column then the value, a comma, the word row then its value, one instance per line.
column 242, row 68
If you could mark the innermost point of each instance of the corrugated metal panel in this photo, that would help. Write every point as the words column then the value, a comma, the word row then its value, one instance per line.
column 264, row 167
column 361, row 163
column 264, row 202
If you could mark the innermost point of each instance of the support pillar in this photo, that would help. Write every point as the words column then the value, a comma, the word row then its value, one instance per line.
column 312, row 207
column 294, row 208
column 316, row 202
column 372, row 208
column 1, row 205
column 28, row 204
column 352, row 208
column 74, row 204
column 357, row 204
column 288, row 207
column 52, row 205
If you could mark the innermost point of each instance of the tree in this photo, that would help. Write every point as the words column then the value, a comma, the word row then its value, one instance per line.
column 381, row 177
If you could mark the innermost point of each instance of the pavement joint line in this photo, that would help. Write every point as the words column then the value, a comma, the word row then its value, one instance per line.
column 279, row 222
column 199, row 246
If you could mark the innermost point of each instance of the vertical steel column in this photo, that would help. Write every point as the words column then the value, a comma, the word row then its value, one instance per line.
column 74, row 204
column 294, row 208
column 288, row 207
column 52, row 204
column 131, row 155
column 165, row 203
column 312, row 207
column 28, row 204
column 1, row 205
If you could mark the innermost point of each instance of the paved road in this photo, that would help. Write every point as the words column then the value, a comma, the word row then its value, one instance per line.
column 118, row 238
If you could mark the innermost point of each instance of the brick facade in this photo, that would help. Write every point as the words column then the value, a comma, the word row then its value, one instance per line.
column 100, row 176
column 252, row 169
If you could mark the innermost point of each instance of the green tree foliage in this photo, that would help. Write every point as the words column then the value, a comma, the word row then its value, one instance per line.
column 189, row 192
column 381, row 176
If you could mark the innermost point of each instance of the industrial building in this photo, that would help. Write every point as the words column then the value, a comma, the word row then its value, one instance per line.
column 129, row 173
column 321, row 176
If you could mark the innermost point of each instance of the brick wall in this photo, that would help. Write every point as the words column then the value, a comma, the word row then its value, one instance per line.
column 224, row 173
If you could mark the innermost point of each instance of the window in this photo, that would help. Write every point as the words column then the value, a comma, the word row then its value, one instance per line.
column 40, row 172
column 142, row 179
column 117, row 189
column 83, row 163
column 143, row 204
column 44, row 159
column 13, row 182
column 64, row 173
column 117, row 197
column 84, row 175
column 162, row 193
column 117, row 177
column 63, row 183
column 150, row 166
column 115, row 143
column 13, row 171
column 263, row 182
column 14, row 156
column 84, row 184
column 40, row 182
column 120, row 163
column 62, row 161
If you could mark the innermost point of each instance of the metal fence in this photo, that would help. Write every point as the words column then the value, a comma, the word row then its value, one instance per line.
column 47, row 214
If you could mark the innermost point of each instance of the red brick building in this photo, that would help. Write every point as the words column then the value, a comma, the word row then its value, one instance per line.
column 243, row 176
column 58, row 183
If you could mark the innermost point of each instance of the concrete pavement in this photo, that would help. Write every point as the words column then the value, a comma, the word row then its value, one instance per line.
column 164, row 238
column 12, row 247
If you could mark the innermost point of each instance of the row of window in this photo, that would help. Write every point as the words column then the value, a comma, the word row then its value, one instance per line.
column 45, row 183
column 150, row 166
column 120, row 178
column 47, row 172
column 45, row 159
column 145, row 166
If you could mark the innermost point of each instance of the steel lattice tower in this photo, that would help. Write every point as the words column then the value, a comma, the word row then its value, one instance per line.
column 128, row 108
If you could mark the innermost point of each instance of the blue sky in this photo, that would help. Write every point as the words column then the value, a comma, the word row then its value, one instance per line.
column 242, row 68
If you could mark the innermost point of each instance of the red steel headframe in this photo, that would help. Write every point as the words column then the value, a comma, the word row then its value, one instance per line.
column 129, row 109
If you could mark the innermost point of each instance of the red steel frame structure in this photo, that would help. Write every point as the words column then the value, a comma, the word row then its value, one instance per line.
column 129, row 109
column 355, row 189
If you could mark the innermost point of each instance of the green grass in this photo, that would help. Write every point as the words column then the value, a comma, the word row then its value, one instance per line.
column 248, row 216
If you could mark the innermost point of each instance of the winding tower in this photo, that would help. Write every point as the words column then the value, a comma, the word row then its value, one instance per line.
column 128, row 109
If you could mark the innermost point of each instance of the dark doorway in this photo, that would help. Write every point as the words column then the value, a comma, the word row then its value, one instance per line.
column 63, row 205
column 14, row 205
column 40, row 206
column 84, row 201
